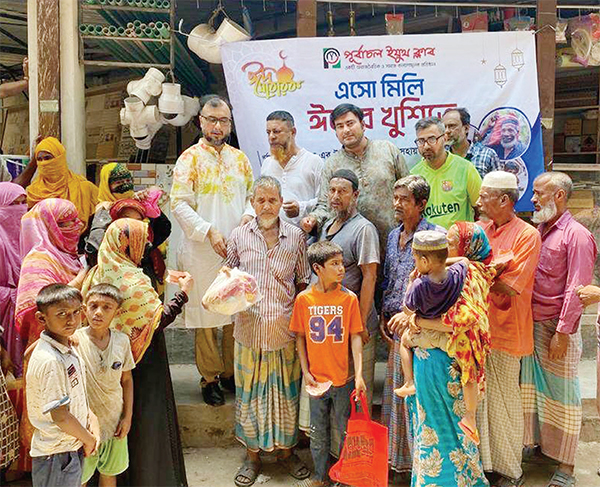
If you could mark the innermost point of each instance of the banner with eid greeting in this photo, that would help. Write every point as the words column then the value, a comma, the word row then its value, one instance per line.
column 396, row 80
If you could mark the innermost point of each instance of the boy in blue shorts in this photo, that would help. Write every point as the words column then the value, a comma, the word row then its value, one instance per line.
column 108, row 361
column 327, row 322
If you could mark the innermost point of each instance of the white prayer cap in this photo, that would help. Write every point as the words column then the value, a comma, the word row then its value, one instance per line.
column 500, row 180
column 428, row 240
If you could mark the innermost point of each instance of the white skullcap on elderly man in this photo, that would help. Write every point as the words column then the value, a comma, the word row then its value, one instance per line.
column 500, row 180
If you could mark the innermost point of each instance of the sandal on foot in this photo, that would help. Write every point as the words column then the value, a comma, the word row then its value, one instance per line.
column 508, row 482
column 295, row 467
column 247, row 473
column 472, row 434
column 561, row 479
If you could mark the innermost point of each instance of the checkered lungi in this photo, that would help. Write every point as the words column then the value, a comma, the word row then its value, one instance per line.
column 551, row 395
column 500, row 416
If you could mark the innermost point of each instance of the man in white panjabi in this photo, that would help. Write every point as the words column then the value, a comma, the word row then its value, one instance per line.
column 297, row 170
column 212, row 185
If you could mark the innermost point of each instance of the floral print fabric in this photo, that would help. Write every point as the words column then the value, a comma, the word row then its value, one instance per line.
column 443, row 455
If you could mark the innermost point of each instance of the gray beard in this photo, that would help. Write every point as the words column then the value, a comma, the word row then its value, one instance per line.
column 547, row 213
column 343, row 215
column 267, row 223
column 509, row 145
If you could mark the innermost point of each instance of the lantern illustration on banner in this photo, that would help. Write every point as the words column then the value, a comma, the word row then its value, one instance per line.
column 500, row 75
column 518, row 59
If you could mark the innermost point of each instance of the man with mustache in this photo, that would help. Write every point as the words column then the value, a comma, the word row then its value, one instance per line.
column 549, row 377
column 377, row 163
column 297, row 170
column 509, row 145
column 359, row 241
column 500, row 413
column 458, row 124
column 454, row 181
column 267, row 366
column 212, row 183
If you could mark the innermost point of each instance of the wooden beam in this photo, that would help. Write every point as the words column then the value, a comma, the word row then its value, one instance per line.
column 48, row 25
column 546, row 63
column 306, row 18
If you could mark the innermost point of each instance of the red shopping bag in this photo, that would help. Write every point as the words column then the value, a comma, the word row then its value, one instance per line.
column 364, row 458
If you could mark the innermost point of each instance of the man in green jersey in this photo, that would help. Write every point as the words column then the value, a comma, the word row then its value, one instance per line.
column 454, row 181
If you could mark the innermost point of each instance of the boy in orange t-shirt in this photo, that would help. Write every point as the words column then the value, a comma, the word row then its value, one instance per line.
column 327, row 323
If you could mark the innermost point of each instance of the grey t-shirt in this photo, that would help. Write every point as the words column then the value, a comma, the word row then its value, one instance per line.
column 359, row 240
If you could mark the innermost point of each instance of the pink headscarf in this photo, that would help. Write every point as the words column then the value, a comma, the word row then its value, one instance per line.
column 10, row 265
column 49, row 235
column 10, row 229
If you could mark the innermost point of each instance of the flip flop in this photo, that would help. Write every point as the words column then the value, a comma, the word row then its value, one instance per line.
column 562, row 479
column 295, row 467
column 249, row 470
column 472, row 434
column 506, row 482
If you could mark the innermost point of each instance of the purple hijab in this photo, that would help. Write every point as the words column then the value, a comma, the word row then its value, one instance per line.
column 10, row 266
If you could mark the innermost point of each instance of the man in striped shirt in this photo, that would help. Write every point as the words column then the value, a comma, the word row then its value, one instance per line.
column 267, row 367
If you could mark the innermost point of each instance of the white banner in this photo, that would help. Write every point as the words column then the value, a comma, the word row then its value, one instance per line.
column 396, row 80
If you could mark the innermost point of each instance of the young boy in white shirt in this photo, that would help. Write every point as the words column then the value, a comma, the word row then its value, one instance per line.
column 108, row 360
column 65, row 428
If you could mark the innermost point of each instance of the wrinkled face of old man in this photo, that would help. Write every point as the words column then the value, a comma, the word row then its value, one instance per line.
column 509, row 135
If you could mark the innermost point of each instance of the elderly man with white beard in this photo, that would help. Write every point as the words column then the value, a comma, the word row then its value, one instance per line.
column 267, row 367
column 549, row 382
column 508, row 146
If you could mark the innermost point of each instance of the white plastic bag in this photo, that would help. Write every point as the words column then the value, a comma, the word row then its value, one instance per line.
column 231, row 292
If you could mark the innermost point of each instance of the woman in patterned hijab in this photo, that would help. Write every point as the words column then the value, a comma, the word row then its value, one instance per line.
column 142, row 317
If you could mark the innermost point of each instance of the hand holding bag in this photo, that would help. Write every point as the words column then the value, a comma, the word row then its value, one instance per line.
column 364, row 458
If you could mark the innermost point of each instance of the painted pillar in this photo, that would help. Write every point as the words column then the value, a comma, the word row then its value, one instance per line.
column 546, row 61
column 56, row 78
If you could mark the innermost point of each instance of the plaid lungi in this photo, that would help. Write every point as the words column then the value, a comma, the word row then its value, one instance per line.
column 266, row 397
column 500, row 416
column 395, row 414
column 551, row 395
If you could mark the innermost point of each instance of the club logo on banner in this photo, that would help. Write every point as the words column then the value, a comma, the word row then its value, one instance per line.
column 331, row 58
column 396, row 80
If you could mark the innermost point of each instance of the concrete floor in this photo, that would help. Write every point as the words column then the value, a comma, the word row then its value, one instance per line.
column 216, row 467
